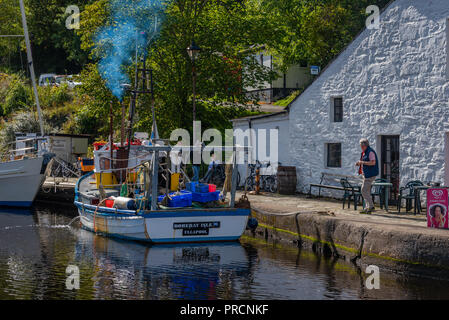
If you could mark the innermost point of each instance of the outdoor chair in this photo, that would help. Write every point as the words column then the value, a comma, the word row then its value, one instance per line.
column 351, row 193
column 408, row 193
column 379, row 191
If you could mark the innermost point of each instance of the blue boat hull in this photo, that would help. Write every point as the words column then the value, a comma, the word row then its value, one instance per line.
column 165, row 226
column 16, row 204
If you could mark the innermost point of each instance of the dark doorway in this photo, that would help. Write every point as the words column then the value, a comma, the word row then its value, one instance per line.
column 390, row 164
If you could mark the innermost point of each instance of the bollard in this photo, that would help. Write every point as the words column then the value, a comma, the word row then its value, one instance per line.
column 257, row 181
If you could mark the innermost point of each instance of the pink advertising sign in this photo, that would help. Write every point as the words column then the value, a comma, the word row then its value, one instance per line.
column 437, row 208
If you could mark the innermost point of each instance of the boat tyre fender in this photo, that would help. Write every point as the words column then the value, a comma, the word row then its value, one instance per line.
column 252, row 224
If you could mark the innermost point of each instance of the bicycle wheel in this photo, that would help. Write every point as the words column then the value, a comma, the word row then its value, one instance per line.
column 250, row 183
column 263, row 184
column 271, row 184
column 274, row 188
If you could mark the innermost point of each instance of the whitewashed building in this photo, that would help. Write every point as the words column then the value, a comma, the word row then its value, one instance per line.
column 277, row 153
column 390, row 85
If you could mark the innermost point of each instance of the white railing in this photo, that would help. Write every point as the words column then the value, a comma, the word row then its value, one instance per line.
column 20, row 153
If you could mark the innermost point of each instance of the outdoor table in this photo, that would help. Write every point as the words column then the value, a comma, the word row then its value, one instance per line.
column 387, row 186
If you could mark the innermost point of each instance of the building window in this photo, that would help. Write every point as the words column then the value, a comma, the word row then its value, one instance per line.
column 337, row 109
column 333, row 155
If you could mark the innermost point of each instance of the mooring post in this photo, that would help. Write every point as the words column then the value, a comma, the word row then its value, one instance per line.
column 234, row 175
column 257, row 181
column 154, row 181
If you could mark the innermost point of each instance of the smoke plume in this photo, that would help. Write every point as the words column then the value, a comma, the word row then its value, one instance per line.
column 132, row 25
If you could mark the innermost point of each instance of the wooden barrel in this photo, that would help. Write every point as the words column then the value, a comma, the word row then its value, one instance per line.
column 287, row 180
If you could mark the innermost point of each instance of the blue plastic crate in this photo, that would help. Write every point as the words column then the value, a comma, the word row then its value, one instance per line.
column 202, row 188
column 191, row 186
column 197, row 187
column 182, row 200
column 205, row 197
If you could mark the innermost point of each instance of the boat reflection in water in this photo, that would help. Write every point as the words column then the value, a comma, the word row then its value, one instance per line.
column 181, row 271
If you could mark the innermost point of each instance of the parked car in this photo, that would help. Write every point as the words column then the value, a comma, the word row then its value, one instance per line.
column 47, row 79
column 73, row 81
column 61, row 79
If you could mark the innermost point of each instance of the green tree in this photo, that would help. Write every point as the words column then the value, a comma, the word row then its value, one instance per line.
column 314, row 31
column 10, row 24
column 223, row 29
column 51, row 39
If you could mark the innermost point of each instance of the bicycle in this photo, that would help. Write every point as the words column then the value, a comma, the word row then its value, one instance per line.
column 267, row 183
column 61, row 168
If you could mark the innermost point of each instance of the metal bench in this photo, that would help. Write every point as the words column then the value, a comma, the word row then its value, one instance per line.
column 328, row 178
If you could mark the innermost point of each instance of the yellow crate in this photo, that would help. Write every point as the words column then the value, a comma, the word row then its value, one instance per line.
column 108, row 179
column 174, row 181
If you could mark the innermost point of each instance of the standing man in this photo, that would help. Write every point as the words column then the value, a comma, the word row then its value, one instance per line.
column 369, row 168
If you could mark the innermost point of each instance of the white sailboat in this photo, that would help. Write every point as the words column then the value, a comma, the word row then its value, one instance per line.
column 22, row 174
column 20, row 181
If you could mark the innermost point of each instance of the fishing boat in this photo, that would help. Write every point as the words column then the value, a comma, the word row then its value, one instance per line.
column 169, row 218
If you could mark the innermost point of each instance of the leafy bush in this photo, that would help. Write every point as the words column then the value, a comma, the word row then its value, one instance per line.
column 84, row 121
column 18, row 97
column 51, row 97
column 23, row 121
column 59, row 115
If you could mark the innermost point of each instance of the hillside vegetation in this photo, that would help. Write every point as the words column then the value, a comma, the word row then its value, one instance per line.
column 102, row 53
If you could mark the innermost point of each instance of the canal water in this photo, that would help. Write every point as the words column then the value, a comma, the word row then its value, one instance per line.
column 37, row 247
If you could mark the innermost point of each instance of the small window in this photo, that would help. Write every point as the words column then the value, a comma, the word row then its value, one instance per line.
column 338, row 109
column 334, row 155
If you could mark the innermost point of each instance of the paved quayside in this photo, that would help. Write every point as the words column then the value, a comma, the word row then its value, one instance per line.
column 398, row 242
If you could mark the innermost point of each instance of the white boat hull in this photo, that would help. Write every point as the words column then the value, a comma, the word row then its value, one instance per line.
column 166, row 226
column 20, row 181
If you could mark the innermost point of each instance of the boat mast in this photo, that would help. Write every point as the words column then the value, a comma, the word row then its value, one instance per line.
column 31, row 66
column 154, row 134
column 133, row 102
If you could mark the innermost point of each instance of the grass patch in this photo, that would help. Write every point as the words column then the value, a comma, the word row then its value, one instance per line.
column 285, row 102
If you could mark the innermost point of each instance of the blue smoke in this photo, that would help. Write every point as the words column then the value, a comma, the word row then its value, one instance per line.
column 131, row 23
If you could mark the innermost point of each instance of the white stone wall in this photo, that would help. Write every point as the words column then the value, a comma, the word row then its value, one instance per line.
column 279, row 122
column 394, row 82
